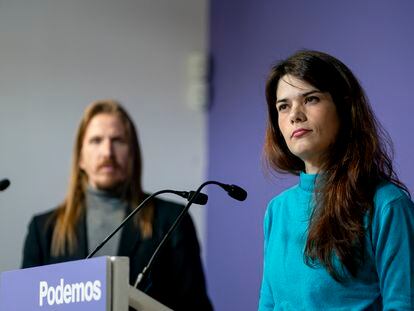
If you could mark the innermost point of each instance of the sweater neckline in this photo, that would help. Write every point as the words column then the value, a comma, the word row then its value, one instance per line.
column 307, row 181
column 103, row 194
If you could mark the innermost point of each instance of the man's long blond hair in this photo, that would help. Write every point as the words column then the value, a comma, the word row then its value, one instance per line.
column 68, row 214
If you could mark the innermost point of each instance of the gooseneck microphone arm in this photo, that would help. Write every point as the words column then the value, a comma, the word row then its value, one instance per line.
column 232, row 190
column 199, row 198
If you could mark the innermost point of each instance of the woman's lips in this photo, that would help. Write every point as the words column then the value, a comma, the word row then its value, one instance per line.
column 300, row 132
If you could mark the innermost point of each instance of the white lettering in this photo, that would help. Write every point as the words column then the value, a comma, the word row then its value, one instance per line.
column 97, row 293
column 42, row 292
column 51, row 296
column 69, row 293
column 78, row 292
column 88, row 291
column 59, row 293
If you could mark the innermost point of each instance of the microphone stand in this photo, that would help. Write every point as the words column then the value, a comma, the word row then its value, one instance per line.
column 228, row 188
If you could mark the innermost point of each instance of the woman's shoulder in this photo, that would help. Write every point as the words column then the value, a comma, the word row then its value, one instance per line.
column 388, row 192
column 286, row 195
column 284, row 203
column 391, row 202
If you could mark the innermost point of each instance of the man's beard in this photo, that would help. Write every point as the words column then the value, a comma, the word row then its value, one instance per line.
column 115, row 187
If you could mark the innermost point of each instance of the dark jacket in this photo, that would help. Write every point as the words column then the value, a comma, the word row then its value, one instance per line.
column 176, row 277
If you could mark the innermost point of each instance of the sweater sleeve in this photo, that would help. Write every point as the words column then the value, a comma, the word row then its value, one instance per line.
column 266, row 298
column 393, row 242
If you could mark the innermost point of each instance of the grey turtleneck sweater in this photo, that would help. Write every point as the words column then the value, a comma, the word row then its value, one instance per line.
column 104, row 212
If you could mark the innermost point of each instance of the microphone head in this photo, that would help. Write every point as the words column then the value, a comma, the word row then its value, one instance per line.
column 236, row 192
column 4, row 184
column 200, row 199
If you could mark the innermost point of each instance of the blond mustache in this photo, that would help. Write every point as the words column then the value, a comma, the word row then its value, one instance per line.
column 106, row 163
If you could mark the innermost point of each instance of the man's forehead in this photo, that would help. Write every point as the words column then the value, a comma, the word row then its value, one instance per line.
column 106, row 124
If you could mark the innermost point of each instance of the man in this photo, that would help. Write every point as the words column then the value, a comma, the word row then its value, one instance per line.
column 105, row 185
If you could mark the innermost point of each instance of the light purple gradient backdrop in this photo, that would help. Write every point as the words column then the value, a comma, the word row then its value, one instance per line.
column 374, row 38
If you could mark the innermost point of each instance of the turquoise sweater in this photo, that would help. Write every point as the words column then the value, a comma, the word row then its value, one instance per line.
column 386, row 280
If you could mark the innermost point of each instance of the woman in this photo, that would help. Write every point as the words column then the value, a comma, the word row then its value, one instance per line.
column 343, row 238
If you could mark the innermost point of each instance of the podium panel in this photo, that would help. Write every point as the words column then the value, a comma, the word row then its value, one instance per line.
column 97, row 284
column 76, row 285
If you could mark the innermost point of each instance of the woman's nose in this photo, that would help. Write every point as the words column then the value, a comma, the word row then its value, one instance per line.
column 297, row 114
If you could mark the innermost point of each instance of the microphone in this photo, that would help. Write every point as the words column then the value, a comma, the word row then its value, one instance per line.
column 197, row 198
column 4, row 184
column 233, row 191
column 201, row 198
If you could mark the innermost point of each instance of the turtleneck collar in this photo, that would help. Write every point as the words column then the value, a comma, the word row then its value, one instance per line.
column 103, row 194
column 307, row 181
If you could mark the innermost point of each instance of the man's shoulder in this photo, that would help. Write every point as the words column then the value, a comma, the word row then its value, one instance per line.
column 168, row 205
column 44, row 217
column 166, row 211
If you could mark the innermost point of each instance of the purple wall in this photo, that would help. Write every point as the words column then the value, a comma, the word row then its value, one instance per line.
column 374, row 38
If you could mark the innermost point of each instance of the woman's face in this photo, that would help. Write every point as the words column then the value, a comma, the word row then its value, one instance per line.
column 307, row 119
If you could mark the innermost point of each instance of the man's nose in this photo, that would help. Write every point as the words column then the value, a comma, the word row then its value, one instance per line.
column 107, row 148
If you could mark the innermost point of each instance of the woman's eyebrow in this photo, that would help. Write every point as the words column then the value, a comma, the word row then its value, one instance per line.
column 283, row 100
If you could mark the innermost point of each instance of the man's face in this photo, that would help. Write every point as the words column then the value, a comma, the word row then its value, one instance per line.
column 105, row 152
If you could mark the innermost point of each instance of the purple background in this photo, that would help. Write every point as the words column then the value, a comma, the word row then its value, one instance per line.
column 24, row 283
column 374, row 38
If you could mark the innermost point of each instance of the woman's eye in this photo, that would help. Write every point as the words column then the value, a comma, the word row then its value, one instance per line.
column 311, row 99
column 281, row 107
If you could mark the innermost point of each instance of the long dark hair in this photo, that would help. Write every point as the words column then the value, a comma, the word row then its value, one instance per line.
column 356, row 163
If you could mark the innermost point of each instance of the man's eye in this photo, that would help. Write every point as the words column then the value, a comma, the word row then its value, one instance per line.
column 95, row 140
column 119, row 140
